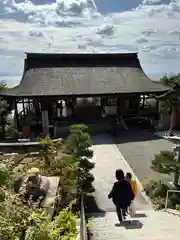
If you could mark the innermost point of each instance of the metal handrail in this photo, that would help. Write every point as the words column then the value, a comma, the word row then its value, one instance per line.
column 167, row 196
column 83, row 231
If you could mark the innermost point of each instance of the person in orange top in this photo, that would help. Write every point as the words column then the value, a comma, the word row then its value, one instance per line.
column 133, row 184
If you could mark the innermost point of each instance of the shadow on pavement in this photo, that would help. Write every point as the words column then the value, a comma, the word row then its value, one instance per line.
column 91, row 207
column 133, row 224
column 137, row 135
column 140, row 215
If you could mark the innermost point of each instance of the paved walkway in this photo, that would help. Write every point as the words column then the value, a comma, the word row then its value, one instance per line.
column 107, row 159
column 139, row 148
column 148, row 224
column 153, row 225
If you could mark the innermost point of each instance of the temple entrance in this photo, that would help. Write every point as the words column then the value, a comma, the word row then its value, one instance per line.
column 88, row 109
column 98, row 113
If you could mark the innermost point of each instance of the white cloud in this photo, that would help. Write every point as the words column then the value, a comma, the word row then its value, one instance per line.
column 106, row 30
column 75, row 25
column 174, row 32
column 142, row 40
column 34, row 33
column 149, row 32
column 151, row 1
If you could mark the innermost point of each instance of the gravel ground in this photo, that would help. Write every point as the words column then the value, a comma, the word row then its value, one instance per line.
column 138, row 148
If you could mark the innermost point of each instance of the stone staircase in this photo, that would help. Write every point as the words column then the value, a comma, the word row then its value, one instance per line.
column 147, row 225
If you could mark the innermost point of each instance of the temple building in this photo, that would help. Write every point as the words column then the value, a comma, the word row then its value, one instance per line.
column 57, row 90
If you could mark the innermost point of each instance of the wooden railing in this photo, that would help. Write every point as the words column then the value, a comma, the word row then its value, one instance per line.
column 83, row 231
column 167, row 197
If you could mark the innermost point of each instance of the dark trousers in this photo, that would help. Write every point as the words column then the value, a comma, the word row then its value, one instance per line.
column 121, row 212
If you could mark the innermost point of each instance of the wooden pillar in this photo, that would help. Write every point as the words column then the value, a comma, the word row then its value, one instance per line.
column 138, row 106
column 17, row 116
column 172, row 119
column 143, row 103
column 23, row 105
column 45, row 118
column 157, row 110
column 74, row 103
column 36, row 107
column 59, row 109
column 118, row 107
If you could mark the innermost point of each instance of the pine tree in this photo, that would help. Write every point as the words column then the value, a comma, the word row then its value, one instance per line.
column 165, row 162
column 78, row 145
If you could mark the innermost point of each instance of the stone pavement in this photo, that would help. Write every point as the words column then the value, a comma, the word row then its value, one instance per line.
column 154, row 225
column 138, row 148
column 107, row 159
column 148, row 224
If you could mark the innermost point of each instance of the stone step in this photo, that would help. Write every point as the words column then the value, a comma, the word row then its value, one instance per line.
column 150, row 224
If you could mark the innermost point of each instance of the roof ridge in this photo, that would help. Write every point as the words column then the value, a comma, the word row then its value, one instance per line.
column 36, row 54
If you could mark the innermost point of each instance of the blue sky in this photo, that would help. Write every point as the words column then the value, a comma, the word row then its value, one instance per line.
column 151, row 27
column 109, row 6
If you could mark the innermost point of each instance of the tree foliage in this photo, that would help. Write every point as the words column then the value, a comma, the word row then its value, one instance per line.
column 17, row 215
column 63, row 227
column 3, row 86
column 165, row 162
column 13, row 212
column 13, row 218
column 48, row 150
column 53, row 162
column 71, row 164
column 171, row 80
column 78, row 146
column 5, row 175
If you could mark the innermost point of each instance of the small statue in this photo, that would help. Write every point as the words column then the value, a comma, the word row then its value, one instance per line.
column 36, row 185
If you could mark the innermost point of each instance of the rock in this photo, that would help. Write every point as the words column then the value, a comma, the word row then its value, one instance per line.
column 50, row 200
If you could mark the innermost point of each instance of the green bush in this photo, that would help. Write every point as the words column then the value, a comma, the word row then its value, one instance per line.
column 158, row 203
column 13, row 218
column 165, row 162
column 78, row 145
column 149, row 187
column 63, row 227
column 16, row 215
column 174, row 199
column 5, row 175
column 156, row 189
column 178, row 208
column 160, row 191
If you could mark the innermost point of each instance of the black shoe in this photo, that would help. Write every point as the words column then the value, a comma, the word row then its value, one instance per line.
column 119, row 224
